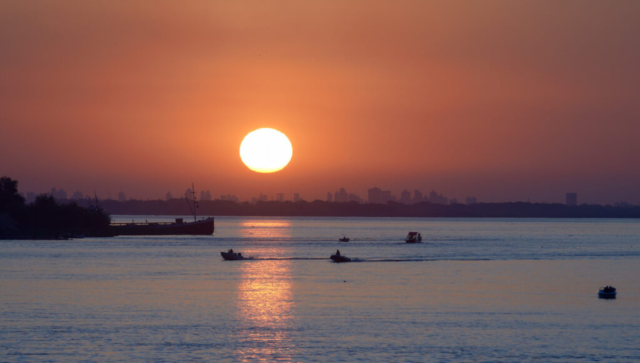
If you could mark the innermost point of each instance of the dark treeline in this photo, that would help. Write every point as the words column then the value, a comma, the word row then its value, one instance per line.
column 352, row 209
column 46, row 218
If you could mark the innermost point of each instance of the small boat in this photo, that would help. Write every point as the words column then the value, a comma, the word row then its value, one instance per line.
column 344, row 239
column 232, row 256
column 413, row 237
column 607, row 292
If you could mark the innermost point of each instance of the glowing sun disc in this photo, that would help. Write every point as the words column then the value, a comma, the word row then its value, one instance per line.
column 266, row 150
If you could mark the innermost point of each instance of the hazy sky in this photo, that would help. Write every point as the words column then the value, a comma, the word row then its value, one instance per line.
column 503, row 100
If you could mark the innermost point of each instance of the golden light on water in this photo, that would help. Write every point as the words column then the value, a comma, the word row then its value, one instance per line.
column 265, row 309
column 266, row 229
column 266, row 150
column 265, row 296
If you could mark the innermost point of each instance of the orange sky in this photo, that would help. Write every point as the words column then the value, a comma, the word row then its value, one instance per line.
column 503, row 100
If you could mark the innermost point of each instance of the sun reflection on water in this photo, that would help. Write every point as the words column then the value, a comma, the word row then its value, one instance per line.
column 266, row 228
column 265, row 308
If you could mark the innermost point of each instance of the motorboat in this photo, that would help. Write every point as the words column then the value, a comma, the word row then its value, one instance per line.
column 413, row 237
column 232, row 256
column 344, row 239
column 337, row 257
column 607, row 292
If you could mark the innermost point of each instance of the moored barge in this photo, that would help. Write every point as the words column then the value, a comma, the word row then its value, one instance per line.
column 179, row 227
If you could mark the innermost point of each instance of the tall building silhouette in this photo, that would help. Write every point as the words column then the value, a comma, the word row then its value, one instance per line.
column 436, row 198
column 329, row 197
column 341, row 196
column 379, row 196
column 405, row 197
column 205, row 195
column 375, row 195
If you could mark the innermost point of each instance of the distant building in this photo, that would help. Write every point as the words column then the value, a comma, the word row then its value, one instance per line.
column 405, row 197
column 296, row 197
column 341, row 196
column 471, row 200
column 189, row 194
column 262, row 198
column 379, row 196
column 205, row 195
column 168, row 196
column 453, row 201
column 436, row 198
column 375, row 195
column 572, row 199
column 31, row 197
column 329, row 197
column 354, row 198
column 280, row 197
column 122, row 197
column 76, row 196
column 417, row 196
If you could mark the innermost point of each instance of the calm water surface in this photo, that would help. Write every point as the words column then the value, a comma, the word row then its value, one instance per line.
column 476, row 290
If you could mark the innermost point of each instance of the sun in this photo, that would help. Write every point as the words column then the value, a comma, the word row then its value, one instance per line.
column 266, row 150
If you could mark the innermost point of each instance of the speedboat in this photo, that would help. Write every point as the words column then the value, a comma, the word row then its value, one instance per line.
column 344, row 239
column 413, row 237
column 232, row 256
column 340, row 258
column 607, row 292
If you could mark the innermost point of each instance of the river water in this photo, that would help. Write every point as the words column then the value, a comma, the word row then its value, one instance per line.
column 475, row 290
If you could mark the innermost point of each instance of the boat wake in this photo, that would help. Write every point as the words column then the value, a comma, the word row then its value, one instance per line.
column 288, row 258
column 418, row 259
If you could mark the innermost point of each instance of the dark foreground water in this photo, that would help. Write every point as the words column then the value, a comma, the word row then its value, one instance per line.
column 490, row 290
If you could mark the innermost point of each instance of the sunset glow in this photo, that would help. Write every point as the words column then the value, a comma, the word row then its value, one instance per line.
column 501, row 100
column 266, row 150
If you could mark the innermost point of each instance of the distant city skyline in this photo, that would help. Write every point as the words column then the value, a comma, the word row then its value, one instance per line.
column 512, row 193
column 502, row 100
column 373, row 195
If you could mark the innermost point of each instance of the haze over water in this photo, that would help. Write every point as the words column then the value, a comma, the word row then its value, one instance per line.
column 476, row 290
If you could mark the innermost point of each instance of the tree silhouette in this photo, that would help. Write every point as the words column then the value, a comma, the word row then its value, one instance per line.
column 46, row 218
column 10, row 200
